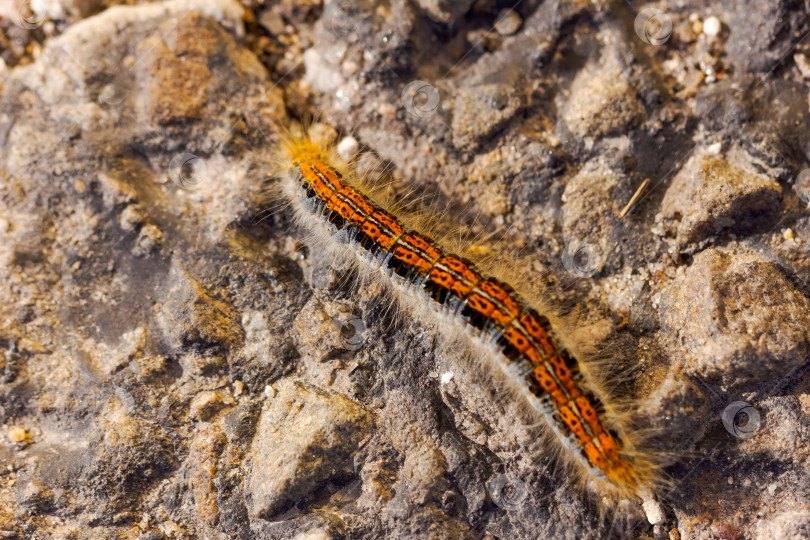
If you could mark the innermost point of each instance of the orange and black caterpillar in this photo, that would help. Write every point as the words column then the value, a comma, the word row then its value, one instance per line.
column 497, row 320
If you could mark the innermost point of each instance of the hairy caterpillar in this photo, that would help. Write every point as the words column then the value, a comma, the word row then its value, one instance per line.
column 508, row 329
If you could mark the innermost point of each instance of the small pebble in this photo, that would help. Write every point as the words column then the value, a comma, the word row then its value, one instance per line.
column 674, row 535
column 149, row 237
column 654, row 511
column 238, row 388
column 787, row 234
column 348, row 147
column 130, row 217
column 446, row 377
column 508, row 22
column 711, row 26
column 715, row 148
column 17, row 434
column 350, row 67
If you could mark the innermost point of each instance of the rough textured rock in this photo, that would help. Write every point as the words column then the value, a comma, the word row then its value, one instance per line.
column 763, row 33
column 445, row 10
column 100, row 476
column 480, row 111
column 736, row 318
column 713, row 194
column 191, row 315
column 178, row 361
column 785, row 526
column 203, row 461
column 602, row 101
column 592, row 203
column 306, row 437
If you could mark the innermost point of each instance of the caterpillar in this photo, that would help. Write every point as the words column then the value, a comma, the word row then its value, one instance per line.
column 507, row 328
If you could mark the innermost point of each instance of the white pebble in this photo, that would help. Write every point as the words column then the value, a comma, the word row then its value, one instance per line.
column 654, row 511
column 348, row 147
column 446, row 377
column 711, row 26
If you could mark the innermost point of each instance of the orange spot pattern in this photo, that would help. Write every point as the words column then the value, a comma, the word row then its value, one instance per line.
column 417, row 251
column 532, row 323
column 386, row 233
column 461, row 286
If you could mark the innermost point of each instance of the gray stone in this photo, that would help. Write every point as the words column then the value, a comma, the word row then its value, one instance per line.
column 101, row 472
column 305, row 437
column 602, row 99
column 758, row 31
column 480, row 111
column 715, row 193
column 736, row 320
column 678, row 405
column 592, row 202
column 446, row 11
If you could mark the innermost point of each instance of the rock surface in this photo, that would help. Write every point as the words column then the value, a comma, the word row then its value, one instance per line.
column 177, row 361
column 305, row 437
column 737, row 319
column 603, row 101
column 712, row 194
